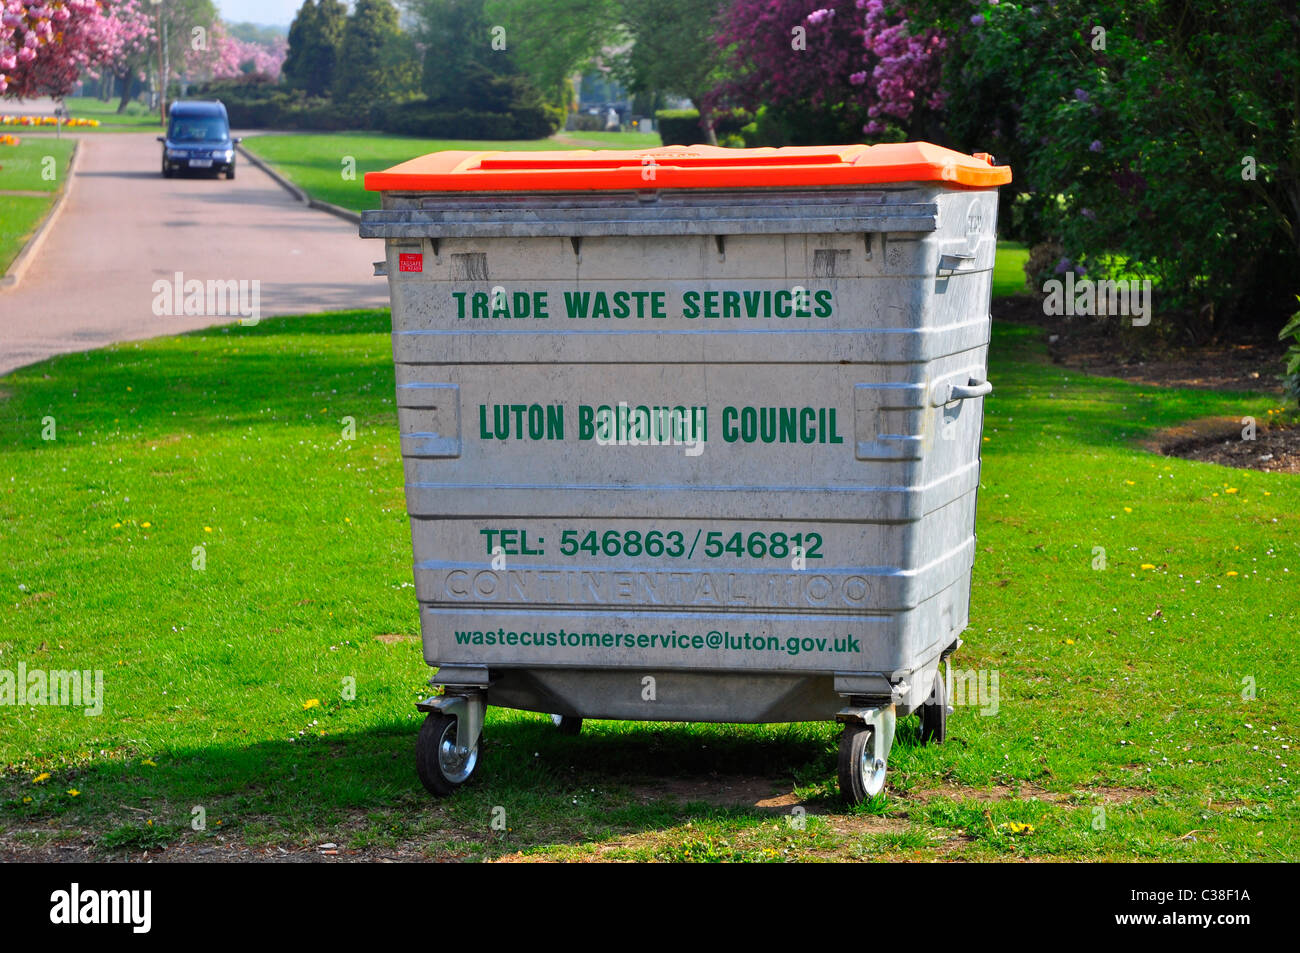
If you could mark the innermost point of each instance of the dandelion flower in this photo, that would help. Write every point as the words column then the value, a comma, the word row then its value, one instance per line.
column 41, row 778
column 311, row 703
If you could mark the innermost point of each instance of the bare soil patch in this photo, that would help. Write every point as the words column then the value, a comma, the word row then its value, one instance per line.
column 1106, row 350
column 1275, row 449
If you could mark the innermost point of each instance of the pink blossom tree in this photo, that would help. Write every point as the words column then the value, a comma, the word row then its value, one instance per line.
column 831, row 68
column 131, row 39
column 232, row 57
column 45, row 45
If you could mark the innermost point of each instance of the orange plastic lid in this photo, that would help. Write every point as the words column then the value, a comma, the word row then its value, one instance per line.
column 689, row 167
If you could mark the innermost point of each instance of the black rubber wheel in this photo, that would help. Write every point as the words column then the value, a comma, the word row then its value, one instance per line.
column 166, row 170
column 567, row 724
column 934, row 713
column 442, row 771
column 862, row 769
column 230, row 173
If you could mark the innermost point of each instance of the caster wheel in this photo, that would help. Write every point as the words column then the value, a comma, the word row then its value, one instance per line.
column 567, row 724
column 442, row 767
column 862, row 763
column 934, row 713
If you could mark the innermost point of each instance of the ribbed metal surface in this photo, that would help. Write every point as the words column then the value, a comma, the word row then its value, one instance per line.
column 822, row 422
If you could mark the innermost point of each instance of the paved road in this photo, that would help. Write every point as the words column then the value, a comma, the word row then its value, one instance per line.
column 124, row 227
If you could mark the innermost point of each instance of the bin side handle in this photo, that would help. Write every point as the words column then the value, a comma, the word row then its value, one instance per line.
column 945, row 392
column 973, row 389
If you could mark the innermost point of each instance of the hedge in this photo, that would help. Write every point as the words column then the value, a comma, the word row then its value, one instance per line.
column 265, row 106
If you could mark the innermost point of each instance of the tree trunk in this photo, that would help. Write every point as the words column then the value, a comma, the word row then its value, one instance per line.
column 706, row 123
column 127, row 79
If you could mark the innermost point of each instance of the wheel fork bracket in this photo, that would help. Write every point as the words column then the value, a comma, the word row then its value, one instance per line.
column 881, row 719
column 468, row 709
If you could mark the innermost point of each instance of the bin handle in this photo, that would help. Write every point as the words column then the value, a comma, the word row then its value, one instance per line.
column 973, row 389
column 945, row 392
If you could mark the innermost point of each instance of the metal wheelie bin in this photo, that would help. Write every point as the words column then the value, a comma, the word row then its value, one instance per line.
column 690, row 434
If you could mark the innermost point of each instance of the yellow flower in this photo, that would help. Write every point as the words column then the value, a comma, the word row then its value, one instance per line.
column 311, row 703
column 1232, row 573
column 27, row 800
column 41, row 778
column 207, row 529
column 1232, row 489
column 1148, row 566
column 1130, row 483
column 145, row 525
column 1069, row 641
column 74, row 792
column 1128, row 509
column 986, row 439
column 150, row 762
column 1017, row 828
column 129, row 387
column 1266, row 493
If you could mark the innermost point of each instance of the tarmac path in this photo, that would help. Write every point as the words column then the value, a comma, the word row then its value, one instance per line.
column 123, row 227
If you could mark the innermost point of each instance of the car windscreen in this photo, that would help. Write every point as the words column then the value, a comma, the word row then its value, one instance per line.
column 197, row 129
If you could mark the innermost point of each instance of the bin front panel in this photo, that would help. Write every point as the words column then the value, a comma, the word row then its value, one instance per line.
column 724, row 452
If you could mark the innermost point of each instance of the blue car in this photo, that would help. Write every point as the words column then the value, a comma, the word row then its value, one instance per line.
column 198, row 139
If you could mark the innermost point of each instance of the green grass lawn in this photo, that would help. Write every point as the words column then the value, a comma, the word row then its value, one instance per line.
column 317, row 162
column 1121, row 730
column 19, row 216
column 23, row 167
column 1009, row 270
column 613, row 140
column 137, row 118
column 21, row 170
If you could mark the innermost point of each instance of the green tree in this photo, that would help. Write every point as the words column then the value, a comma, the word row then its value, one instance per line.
column 315, row 42
column 674, row 51
column 470, row 61
column 370, row 63
column 1159, row 137
column 550, row 41
column 657, row 46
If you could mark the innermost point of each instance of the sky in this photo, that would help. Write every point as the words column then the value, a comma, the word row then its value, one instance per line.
column 270, row 12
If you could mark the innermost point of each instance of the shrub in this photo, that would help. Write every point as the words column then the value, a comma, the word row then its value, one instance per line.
column 681, row 127
column 431, row 120
column 1155, row 138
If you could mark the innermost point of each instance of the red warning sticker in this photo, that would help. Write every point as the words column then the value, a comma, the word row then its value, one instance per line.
column 410, row 261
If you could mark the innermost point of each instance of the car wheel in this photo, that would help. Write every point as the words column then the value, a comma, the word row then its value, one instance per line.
column 230, row 173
